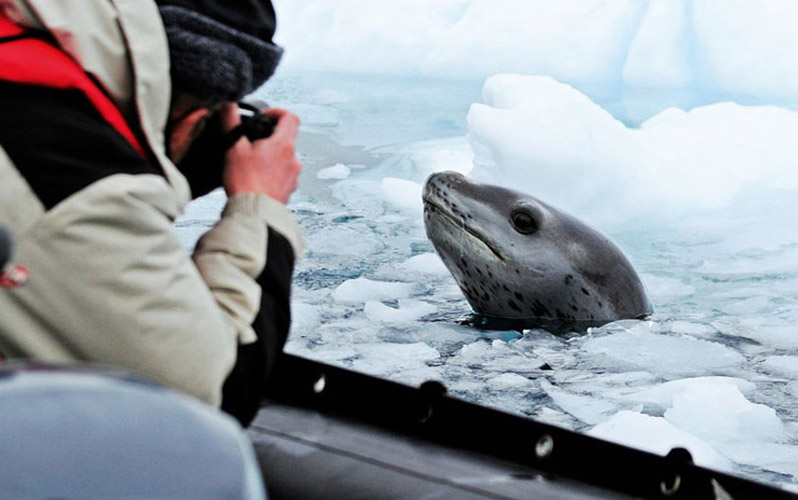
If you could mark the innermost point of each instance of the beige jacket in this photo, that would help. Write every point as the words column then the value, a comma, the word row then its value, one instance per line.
column 110, row 282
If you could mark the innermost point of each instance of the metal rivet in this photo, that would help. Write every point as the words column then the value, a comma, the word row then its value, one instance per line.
column 544, row 446
column 671, row 490
column 320, row 384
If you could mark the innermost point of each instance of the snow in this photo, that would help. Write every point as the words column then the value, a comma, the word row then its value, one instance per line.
column 670, row 125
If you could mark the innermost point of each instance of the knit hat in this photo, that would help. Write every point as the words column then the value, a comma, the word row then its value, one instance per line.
column 220, row 50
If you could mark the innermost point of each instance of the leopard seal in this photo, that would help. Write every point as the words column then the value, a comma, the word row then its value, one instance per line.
column 522, row 262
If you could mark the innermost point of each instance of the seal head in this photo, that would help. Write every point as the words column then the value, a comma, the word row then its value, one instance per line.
column 526, row 264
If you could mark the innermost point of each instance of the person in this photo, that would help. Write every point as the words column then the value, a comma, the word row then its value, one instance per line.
column 102, row 103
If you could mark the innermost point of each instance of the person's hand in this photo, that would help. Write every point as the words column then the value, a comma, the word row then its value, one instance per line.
column 267, row 166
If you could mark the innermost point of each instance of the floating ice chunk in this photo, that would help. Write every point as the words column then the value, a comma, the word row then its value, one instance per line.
column 612, row 385
column 664, row 394
column 792, row 389
column 661, row 354
column 497, row 356
column 543, row 137
column 588, row 409
column 777, row 457
column 782, row 365
column 425, row 263
column 720, row 413
column 407, row 362
column 402, row 194
column 507, row 381
column 748, row 304
column 338, row 172
column 362, row 197
column 304, row 317
column 400, row 354
column 657, row 435
column 408, row 311
column 347, row 330
column 546, row 138
column 446, row 337
column 361, row 290
column 477, row 351
column 765, row 330
column 552, row 416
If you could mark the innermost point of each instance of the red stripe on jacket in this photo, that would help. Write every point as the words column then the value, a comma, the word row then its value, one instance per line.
column 33, row 61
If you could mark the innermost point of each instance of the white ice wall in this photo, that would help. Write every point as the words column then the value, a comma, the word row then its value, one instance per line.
column 743, row 50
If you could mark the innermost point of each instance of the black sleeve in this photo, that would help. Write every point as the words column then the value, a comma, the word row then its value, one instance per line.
column 246, row 384
column 60, row 143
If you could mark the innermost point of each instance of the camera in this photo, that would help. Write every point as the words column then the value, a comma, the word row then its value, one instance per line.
column 203, row 164
column 254, row 124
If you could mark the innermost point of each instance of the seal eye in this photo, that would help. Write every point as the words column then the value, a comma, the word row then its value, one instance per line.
column 524, row 222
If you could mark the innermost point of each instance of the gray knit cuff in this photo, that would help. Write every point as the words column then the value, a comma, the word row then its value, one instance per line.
column 213, row 61
column 275, row 214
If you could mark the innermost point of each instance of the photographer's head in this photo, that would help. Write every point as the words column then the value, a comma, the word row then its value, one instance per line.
column 220, row 51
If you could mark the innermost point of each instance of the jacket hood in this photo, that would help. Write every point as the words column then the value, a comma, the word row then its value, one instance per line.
column 122, row 44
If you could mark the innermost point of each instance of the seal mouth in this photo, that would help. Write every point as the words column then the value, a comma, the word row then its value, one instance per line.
column 460, row 223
